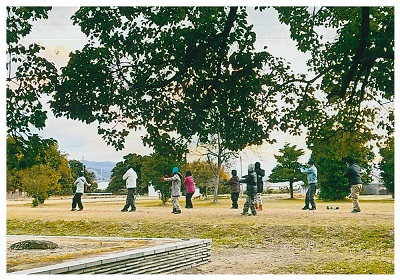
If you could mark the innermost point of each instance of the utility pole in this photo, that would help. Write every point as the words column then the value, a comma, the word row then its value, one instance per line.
column 241, row 171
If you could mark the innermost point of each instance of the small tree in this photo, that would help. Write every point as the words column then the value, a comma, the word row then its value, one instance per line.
column 154, row 168
column 39, row 181
column 288, row 167
column 330, row 145
column 76, row 166
column 117, row 184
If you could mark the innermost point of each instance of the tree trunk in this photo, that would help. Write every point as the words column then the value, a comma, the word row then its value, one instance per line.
column 215, row 200
column 291, row 189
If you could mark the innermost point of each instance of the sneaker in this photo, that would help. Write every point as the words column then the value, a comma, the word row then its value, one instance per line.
column 124, row 210
column 313, row 208
column 355, row 211
column 132, row 210
column 177, row 212
column 80, row 209
column 73, row 209
column 305, row 208
column 244, row 213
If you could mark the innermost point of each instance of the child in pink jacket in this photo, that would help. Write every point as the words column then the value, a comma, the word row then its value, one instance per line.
column 190, row 188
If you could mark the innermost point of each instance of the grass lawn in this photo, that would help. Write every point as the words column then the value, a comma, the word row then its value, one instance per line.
column 293, row 241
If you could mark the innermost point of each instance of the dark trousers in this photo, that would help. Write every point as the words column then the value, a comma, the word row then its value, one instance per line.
column 235, row 198
column 189, row 200
column 310, row 194
column 130, row 199
column 249, row 204
column 77, row 199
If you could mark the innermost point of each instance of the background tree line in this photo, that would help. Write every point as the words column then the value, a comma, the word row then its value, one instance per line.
column 193, row 75
column 151, row 168
column 37, row 167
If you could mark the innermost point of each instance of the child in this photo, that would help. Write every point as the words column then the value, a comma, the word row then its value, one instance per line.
column 235, row 189
column 176, row 180
column 190, row 188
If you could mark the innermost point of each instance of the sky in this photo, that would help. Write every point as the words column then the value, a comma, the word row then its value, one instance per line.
column 81, row 141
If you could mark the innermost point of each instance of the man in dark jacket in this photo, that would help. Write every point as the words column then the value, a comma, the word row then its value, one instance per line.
column 235, row 189
column 260, row 186
column 353, row 174
column 251, row 190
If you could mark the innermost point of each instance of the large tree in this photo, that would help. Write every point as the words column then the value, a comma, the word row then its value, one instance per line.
column 30, row 77
column 346, row 103
column 191, row 71
column 351, row 72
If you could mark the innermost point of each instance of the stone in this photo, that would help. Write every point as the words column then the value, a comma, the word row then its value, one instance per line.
column 33, row 245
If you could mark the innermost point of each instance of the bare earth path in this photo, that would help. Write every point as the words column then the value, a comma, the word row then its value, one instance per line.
column 281, row 239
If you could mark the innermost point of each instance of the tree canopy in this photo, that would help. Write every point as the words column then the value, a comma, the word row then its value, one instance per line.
column 188, row 70
column 30, row 77
column 191, row 73
column 353, row 83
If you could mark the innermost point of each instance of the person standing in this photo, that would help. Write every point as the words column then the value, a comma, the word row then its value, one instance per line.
column 235, row 189
column 190, row 188
column 130, row 178
column 176, row 180
column 353, row 175
column 80, row 184
column 260, row 185
column 311, row 172
column 251, row 190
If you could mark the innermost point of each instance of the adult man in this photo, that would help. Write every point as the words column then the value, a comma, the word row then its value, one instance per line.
column 311, row 172
column 260, row 186
column 353, row 175
column 130, row 178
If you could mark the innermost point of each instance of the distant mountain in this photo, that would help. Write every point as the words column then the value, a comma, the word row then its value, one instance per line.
column 101, row 168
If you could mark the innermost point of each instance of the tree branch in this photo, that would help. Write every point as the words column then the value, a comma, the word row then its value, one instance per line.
column 358, row 56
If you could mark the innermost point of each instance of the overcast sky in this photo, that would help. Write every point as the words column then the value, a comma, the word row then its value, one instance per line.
column 79, row 140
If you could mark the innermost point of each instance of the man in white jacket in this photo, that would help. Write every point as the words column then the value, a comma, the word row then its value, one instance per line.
column 130, row 178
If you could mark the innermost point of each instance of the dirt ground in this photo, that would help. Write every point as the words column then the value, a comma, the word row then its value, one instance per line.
column 264, row 258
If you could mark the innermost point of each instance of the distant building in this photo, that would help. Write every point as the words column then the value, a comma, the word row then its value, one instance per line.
column 376, row 186
column 102, row 185
column 297, row 186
